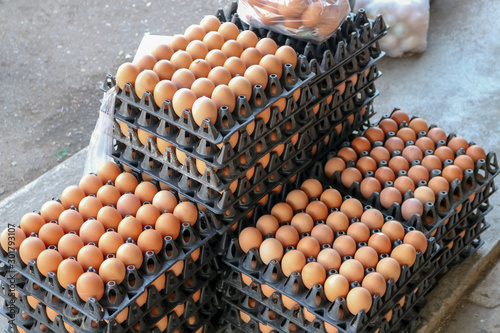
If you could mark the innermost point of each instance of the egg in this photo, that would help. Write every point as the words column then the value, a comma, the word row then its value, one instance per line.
column 405, row 254
column 388, row 125
column 419, row 125
column 130, row 227
column 457, row 143
column 200, row 68
column 210, row 23
column 146, row 82
column 394, row 143
column 89, row 285
column 251, row 56
column 452, row 172
column 438, row 184
column 425, row 143
column 69, row 245
column 186, row 212
column 375, row 283
column 333, row 165
column 476, row 152
column 68, row 272
column 232, row 48
column 417, row 239
column 282, row 211
column 398, row 163
column 436, row 134
column 313, row 273
column 204, row 108
column 48, row 260
column 410, row 207
column 50, row 211
column 360, row 144
column 369, row 185
column 31, row 223
column 329, row 259
column 366, row 164
column 374, row 134
column 257, row 75
column 404, row 184
column 130, row 254
column 109, row 242
column 390, row 195
column 272, row 65
column 344, row 245
column 412, row 153
column 317, row 210
column 352, row 270
column 312, row 15
column 352, row 208
column 72, row 195
column 351, row 175
column 347, row 154
column 358, row 299
column 359, row 232
column 197, row 49
column 126, row 73
column 270, row 249
column 165, row 201
column 337, row 221
column 293, row 261
column 162, row 52
column 287, row 55
column 297, row 199
column 181, row 60
column 367, row 256
column 303, row 222
column 222, row 95
column 464, row 162
column 240, row 86
column 145, row 62
column 91, row 231
column 389, row 268
column 444, row 153
column 380, row 242
column 90, row 256
column 229, row 30
column 11, row 238
column 108, row 216
column 331, row 198
column 394, row 230
column 250, row 237
column 431, row 162
column 50, row 233
column 323, row 234
column 287, row 235
column 128, row 204
column 309, row 246
column 150, row 240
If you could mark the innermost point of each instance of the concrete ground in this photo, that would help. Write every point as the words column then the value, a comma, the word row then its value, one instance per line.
column 453, row 84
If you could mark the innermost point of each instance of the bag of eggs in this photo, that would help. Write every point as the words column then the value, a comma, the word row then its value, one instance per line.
column 408, row 20
column 314, row 20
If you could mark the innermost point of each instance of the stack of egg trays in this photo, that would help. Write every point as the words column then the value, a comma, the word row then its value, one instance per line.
column 238, row 263
column 285, row 128
column 137, row 321
column 229, row 208
column 137, row 280
column 351, row 47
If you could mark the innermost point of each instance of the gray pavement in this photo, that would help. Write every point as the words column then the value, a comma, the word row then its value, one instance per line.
column 453, row 84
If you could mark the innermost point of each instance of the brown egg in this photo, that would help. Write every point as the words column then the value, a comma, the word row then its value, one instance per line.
column 179, row 42
column 186, row 212
column 200, row 68
column 126, row 182
column 146, row 81
column 458, row 142
column 360, row 144
column 130, row 227
column 165, row 201
column 438, row 184
column 89, row 207
column 367, row 256
column 223, row 96
column 373, row 218
column 68, row 272
column 389, row 268
column 210, row 23
column 436, row 134
column 431, row 162
column 69, row 245
column 240, row 86
column 267, row 224
column 89, row 285
column 213, row 40
column 292, row 261
column 197, row 49
column 270, row 249
column 405, row 254
column 352, row 208
column 162, row 51
column 412, row 153
column 336, row 285
column 232, row 48
column 452, row 172
column 394, row 230
column 250, row 237
column 329, row 258
column 267, row 46
column 108, row 216
column 287, row 55
column 313, row 273
column 370, row 185
column 331, row 198
column 337, row 221
column 91, row 231
column 389, row 195
column 272, row 65
column 257, row 75
column 404, row 184
column 424, row 143
column 309, row 246
column 398, row 163
column 418, row 173
column 347, row 154
column 323, row 234
column 163, row 91
column 204, row 108
column 303, row 222
column 127, row 73
column 108, row 195
column 168, row 225
column 50, row 233
column 30, row 248
column 419, row 125
column 334, row 164
column 375, row 283
column 359, row 299
column 385, row 174
column 366, row 164
column 282, row 211
column 444, row 153
column 229, row 30
column 251, row 56
column 297, row 199
column 464, row 162
column 181, row 60
column 359, row 232
column 399, row 116
column 145, row 62
column 72, row 195
column 50, row 211
column 380, row 242
column 351, row 175
column 410, row 207
column 90, row 256
column 394, row 143
column 12, row 239
column 109, row 242
column 130, row 254
column 374, row 134
column 31, row 222
column 147, row 214
column 150, row 240
column 312, row 15
column 344, row 245
column 425, row 194
column 476, row 152
column 417, row 239
column 247, row 38
column 108, row 171
column 388, row 125
column 312, row 187
column 128, row 204
column 183, row 78
column 48, row 261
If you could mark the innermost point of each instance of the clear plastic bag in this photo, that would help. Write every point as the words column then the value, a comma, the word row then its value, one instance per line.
column 314, row 20
column 101, row 141
column 408, row 20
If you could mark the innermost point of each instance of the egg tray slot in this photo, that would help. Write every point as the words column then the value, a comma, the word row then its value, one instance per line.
column 143, row 318
column 116, row 297
column 351, row 46
column 228, row 122
column 228, row 173
column 267, row 311
column 226, row 206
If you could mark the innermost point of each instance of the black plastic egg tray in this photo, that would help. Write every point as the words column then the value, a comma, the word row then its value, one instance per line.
column 231, row 207
column 142, row 317
column 351, row 47
column 116, row 297
column 219, row 176
column 228, row 122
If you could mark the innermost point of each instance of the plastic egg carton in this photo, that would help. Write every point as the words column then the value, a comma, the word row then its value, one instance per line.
column 116, row 297
column 351, row 47
column 230, row 208
column 228, row 123
column 221, row 175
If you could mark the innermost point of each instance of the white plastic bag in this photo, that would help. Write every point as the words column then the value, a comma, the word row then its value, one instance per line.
column 314, row 20
column 101, row 141
column 408, row 20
